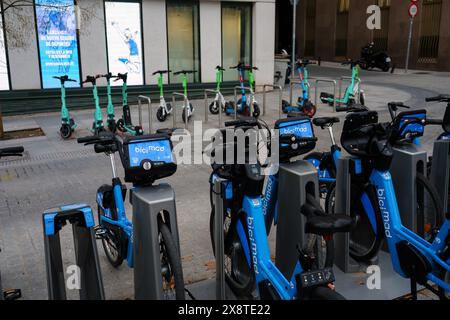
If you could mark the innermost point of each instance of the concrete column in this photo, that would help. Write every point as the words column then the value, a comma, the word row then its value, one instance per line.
column 325, row 28
column 22, row 48
column 264, row 41
column 155, row 38
column 210, row 38
column 358, row 33
column 92, row 40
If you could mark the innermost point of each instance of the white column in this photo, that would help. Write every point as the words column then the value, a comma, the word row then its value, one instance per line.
column 210, row 38
column 93, row 55
column 22, row 48
column 264, row 41
column 155, row 38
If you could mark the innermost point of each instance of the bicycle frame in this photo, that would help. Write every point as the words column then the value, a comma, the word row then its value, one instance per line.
column 395, row 232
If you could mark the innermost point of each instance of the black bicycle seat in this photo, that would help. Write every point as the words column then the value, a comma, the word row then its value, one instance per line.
column 161, row 72
column 325, row 121
column 322, row 224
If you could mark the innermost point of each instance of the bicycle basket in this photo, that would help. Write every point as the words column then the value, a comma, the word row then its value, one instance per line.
column 300, row 127
column 148, row 158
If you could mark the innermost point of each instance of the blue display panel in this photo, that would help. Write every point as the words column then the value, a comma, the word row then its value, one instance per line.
column 58, row 43
column 416, row 129
column 155, row 151
column 300, row 128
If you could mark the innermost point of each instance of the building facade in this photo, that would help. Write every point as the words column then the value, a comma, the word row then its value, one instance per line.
column 138, row 37
column 336, row 29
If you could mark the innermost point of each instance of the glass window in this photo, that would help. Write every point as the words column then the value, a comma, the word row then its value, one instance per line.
column 236, row 37
column 58, row 41
column 4, row 76
column 183, row 38
column 124, row 38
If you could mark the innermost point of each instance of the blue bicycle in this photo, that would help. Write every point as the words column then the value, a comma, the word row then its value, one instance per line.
column 248, row 264
column 142, row 169
column 304, row 104
column 423, row 262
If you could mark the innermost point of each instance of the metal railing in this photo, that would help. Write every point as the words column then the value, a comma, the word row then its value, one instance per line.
column 280, row 89
column 207, row 105
column 150, row 113
column 236, row 100
column 185, row 99
column 316, row 91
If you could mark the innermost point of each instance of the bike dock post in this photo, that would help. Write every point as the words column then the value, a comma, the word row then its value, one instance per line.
column 174, row 95
column 219, row 191
column 342, row 205
column 150, row 113
column 87, row 261
column 236, row 100
column 316, row 91
column 440, row 171
column 148, row 204
column 345, row 78
column 207, row 105
column 280, row 89
column 299, row 178
column 408, row 160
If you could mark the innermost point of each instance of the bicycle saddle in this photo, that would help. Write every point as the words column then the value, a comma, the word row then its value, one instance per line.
column 325, row 121
column 322, row 224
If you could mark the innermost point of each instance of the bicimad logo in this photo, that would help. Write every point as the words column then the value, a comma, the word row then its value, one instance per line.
column 145, row 150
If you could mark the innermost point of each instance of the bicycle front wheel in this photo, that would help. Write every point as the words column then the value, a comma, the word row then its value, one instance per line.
column 171, row 269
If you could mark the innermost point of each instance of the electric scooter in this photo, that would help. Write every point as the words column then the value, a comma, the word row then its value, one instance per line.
column 304, row 104
column 97, row 125
column 111, row 121
column 125, row 123
column 188, row 109
column 219, row 100
column 68, row 125
column 351, row 93
column 165, row 109
column 244, row 103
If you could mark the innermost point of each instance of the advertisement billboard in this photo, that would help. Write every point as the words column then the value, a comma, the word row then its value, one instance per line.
column 124, row 38
column 58, row 43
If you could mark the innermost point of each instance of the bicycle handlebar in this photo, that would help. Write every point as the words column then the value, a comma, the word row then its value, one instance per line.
column 11, row 151
column 242, row 123
column 434, row 122
column 439, row 98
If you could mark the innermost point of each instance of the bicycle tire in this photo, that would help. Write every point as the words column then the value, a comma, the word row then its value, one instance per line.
column 173, row 258
column 374, row 240
column 240, row 288
column 430, row 223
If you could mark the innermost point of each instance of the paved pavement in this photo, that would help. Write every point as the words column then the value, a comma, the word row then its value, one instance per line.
column 55, row 172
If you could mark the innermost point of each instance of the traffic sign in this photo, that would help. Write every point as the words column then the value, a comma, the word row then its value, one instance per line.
column 413, row 9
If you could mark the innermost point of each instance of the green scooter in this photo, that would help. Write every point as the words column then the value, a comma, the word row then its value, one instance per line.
column 165, row 109
column 110, row 116
column 125, row 123
column 97, row 125
column 68, row 125
column 188, row 109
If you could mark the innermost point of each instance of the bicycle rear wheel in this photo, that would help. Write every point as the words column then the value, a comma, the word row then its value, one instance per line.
column 429, row 209
column 171, row 269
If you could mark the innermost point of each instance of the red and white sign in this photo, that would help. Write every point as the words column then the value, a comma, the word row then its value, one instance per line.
column 413, row 9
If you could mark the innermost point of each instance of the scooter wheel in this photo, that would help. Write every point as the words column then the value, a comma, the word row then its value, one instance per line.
column 213, row 108
column 65, row 131
column 309, row 109
column 120, row 125
column 183, row 116
column 160, row 115
column 284, row 106
column 112, row 126
column 256, row 110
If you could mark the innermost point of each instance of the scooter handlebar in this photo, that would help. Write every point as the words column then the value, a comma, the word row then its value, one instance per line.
column 161, row 72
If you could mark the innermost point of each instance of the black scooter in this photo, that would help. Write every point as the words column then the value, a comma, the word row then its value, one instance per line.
column 371, row 59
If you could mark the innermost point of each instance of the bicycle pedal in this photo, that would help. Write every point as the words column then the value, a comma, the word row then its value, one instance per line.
column 100, row 232
column 12, row 294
